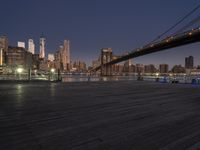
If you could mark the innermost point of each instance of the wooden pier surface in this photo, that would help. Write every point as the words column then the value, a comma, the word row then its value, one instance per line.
column 124, row 115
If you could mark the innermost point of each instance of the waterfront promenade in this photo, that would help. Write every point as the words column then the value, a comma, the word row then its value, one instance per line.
column 124, row 115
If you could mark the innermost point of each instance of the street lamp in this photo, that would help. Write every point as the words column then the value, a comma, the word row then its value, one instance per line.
column 19, row 71
column 51, row 74
column 157, row 77
column 52, row 70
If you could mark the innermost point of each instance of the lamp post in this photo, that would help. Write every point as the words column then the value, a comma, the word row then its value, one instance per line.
column 51, row 75
column 157, row 77
column 19, row 71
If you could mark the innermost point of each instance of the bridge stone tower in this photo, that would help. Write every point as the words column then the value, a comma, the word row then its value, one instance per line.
column 106, row 56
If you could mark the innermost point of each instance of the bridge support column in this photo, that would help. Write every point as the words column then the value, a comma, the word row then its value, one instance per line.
column 106, row 56
column 106, row 70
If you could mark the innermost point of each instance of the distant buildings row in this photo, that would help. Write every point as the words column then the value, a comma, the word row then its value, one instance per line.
column 20, row 56
column 31, row 46
column 129, row 67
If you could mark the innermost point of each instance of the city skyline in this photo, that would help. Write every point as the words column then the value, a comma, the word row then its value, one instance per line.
column 91, row 26
column 27, row 45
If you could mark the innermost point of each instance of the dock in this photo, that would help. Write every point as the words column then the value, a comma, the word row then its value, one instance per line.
column 124, row 115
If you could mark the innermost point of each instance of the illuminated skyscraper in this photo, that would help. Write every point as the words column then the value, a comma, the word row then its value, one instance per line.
column 42, row 47
column 31, row 46
column 66, row 55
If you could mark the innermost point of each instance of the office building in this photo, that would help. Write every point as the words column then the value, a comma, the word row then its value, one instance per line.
column 51, row 57
column 3, row 49
column 42, row 47
column 31, row 46
column 139, row 68
column 149, row 68
column 189, row 62
column 178, row 69
column 18, row 56
column 21, row 44
column 79, row 66
column 66, row 55
column 164, row 68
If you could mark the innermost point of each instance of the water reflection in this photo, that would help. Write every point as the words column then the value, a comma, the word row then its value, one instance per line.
column 52, row 89
column 19, row 93
column 85, row 78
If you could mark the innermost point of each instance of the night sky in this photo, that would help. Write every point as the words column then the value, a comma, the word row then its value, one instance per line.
column 91, row 25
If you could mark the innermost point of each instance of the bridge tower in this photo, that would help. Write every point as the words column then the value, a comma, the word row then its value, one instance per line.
column 106, row 56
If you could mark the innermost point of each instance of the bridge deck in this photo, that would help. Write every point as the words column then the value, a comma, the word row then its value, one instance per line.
column 99, row 116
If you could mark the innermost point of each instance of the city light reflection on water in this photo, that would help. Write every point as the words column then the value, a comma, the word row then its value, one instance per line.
column 19, row 94
column 168, row 79
column 52, row 89
column 96, row 78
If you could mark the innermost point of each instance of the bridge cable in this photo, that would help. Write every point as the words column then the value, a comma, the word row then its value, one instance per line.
column 191, row 23
column 176, row 24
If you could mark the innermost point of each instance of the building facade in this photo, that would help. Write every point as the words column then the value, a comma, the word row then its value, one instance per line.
column 149, row 68
column 3, row 49
column 36, row 61
column 42, row 47
column 18, row 57
column 31, row 46
column 164, row 68
column 189, row 62
column 79, row 66
column 139, row 68
column 21, row 44
column 178, row 69
column 66, row 55
column 51, row 57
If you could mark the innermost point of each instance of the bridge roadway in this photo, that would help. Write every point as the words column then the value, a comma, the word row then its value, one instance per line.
column 185, row 38
column 124, row 115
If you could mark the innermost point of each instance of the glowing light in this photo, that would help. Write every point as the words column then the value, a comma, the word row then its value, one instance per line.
column 52, row 70
column 19, row 70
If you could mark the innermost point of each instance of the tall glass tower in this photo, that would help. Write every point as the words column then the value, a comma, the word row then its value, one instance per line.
column 42, row 47
column 31, row 46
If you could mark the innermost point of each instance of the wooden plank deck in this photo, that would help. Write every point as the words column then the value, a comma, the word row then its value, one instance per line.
column 125, row 115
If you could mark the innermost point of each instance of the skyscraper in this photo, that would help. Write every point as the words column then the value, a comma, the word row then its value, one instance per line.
column 42, row 47
column 66, row 55
column 189, row 62
column 4, row 43
column 31, row 46
column 1, row 56
column 3, row 49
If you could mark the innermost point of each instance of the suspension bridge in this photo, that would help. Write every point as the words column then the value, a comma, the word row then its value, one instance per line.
column 179, row 38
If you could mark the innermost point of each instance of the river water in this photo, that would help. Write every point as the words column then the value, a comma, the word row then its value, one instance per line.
column 85, row 78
